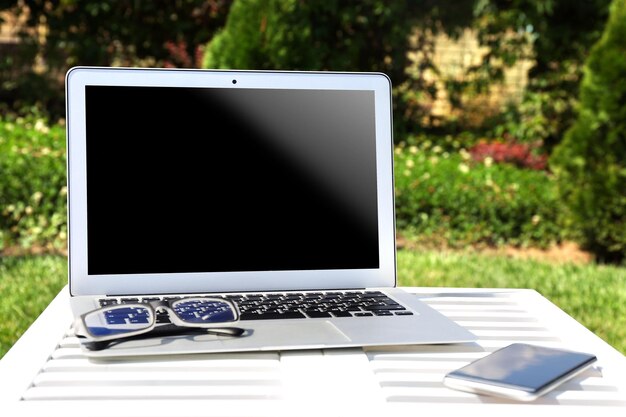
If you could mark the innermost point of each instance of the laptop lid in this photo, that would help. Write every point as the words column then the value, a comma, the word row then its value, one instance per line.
column 195, row 181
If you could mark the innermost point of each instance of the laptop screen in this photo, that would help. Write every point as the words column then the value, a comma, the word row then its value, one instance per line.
column 188, row 179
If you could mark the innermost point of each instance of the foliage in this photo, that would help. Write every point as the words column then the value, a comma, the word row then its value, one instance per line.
column 33, row 183
column 560, row 32
column 540, row 117
column 450, row 196
column 591, row 160
column 594, row 295
column 565, row 34
column 27, row 285
column 98, row 32
column 521, row 155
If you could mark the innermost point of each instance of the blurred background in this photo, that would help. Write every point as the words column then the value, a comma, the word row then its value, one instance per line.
column 509, row 129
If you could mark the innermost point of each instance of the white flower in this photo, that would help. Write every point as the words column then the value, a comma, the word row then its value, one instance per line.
column 413, row 149
column 464, row 168
column 465, row 155
column 410, row 163
column 40, row 126
column 535, row 219
column 488, row 161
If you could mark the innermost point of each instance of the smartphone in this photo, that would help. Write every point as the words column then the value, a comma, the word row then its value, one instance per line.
column 519, row 371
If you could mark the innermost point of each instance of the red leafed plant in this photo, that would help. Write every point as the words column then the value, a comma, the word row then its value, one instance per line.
column 520, row 154
column 180, row 56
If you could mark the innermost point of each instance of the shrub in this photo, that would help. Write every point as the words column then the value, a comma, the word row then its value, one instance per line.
column 464, row 202
column 33, row 183
column 591, row 161
column 521, row 155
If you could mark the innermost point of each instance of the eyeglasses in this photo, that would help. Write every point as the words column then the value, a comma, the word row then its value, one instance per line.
column 100, row 328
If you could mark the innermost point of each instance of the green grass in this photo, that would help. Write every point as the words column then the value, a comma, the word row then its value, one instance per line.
column 594, row 295
column 27, row 285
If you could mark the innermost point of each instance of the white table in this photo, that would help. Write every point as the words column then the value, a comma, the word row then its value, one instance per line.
column 45, row 374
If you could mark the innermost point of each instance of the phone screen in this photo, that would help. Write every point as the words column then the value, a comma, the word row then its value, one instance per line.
column 524, row 367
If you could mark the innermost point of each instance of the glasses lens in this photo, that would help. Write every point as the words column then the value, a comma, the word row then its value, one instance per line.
column 204, row 311
column 118, row 320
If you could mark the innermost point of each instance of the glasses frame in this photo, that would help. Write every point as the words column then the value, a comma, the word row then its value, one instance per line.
column 81, row 330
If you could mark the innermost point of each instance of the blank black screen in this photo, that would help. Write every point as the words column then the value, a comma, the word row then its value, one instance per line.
column 216, row 180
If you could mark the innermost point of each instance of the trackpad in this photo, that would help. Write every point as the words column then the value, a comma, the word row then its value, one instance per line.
column 278, row 335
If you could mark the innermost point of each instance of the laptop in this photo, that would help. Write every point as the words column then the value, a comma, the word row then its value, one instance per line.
column 250, row 185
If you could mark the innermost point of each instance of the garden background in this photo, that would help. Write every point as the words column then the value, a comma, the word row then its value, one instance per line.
column 509, row 129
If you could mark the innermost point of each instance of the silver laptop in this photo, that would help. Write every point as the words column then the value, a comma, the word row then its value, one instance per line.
column 250, row 185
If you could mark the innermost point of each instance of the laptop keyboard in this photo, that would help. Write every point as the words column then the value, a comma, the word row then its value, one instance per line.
column 296, row 305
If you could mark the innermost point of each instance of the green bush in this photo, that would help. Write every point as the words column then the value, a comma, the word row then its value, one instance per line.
column 541, row 117
column 452, row 198
column 591, row 161
column 33, row 183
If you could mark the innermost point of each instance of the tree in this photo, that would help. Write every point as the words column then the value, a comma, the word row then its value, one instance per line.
column 590, row 163
column 99, row 32
column 558, row 34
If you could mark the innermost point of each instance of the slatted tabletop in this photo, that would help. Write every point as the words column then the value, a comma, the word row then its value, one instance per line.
column 46, row 374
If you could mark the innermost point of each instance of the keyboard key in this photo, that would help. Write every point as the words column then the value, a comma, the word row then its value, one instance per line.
column 107, row 302
column 316, row 314
column 384, row 307
column 271, row 316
